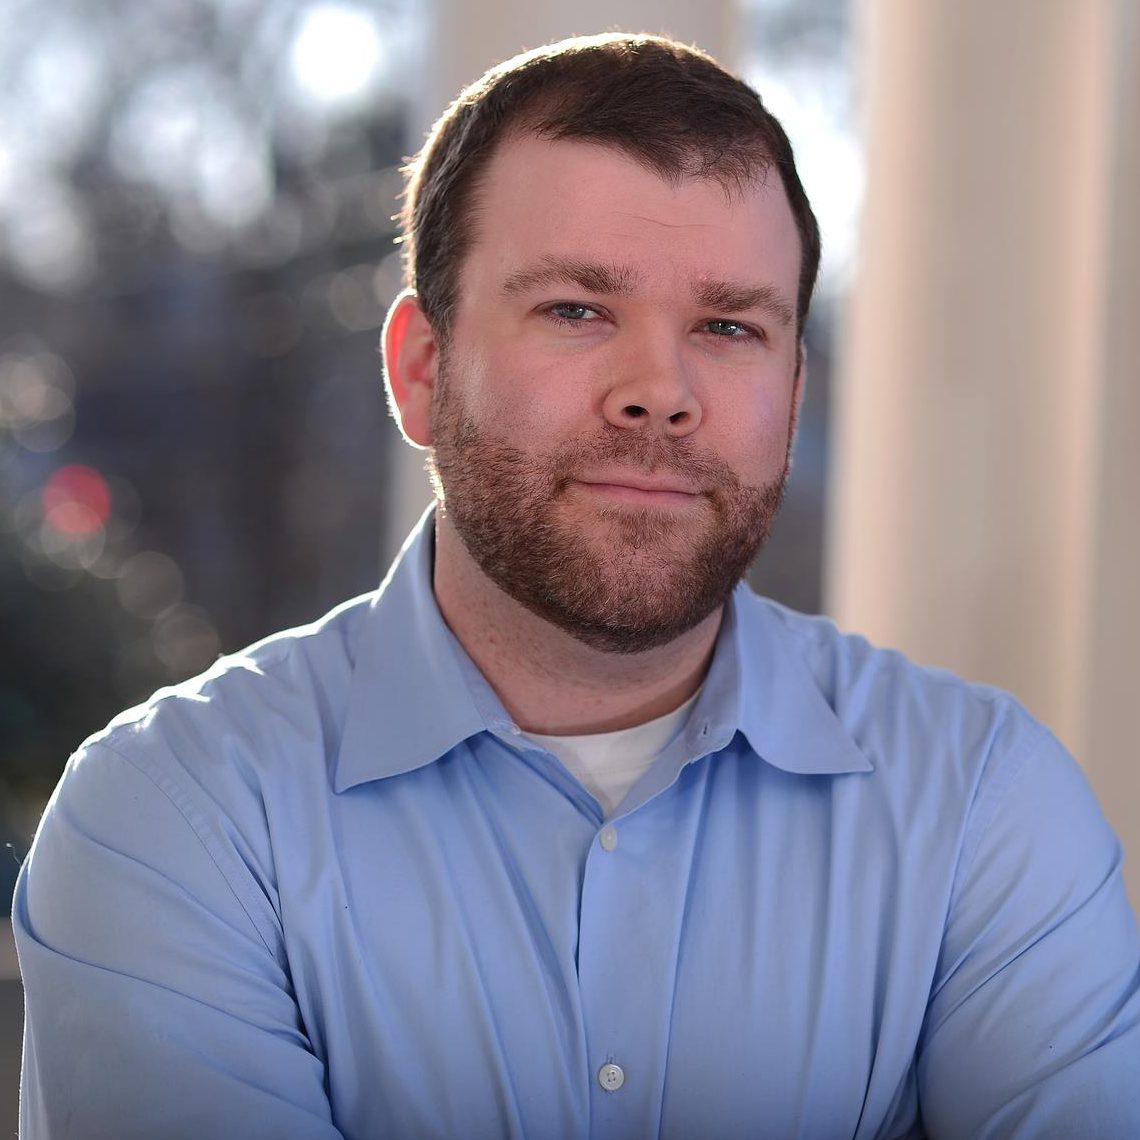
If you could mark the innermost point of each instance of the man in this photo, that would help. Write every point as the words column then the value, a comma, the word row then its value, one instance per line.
column 563, row 832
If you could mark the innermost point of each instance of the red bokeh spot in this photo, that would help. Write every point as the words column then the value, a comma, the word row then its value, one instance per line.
column 76, row 500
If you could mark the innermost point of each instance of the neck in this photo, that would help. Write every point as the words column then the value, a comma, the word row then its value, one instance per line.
column 550, row 682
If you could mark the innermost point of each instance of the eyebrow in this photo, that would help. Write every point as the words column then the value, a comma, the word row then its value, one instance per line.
column 620, row 280
column 726, row 297
column 593, row 276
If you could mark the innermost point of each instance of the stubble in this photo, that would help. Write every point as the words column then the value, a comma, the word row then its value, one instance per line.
column 625, row 579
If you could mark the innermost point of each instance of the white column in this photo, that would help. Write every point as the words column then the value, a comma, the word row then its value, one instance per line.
column 467, row 38
column 984, row 509
column 1110, row 676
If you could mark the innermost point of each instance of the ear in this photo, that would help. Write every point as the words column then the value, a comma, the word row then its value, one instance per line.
column 411, row 365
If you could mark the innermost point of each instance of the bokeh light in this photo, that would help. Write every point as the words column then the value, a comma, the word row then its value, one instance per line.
column 36, row 398
column 149, row 583
column 337, row 54
column 76, row 500
column 77, row 547
column 185, row 640
column 50, row 245
column 62, row 83
column 184, row 133
column 388, row 280
column 352, row 301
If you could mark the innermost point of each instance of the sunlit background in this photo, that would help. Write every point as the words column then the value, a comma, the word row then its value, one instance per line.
column 195, row 254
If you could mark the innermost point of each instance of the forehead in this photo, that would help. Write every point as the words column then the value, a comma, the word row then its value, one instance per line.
column 570, row 199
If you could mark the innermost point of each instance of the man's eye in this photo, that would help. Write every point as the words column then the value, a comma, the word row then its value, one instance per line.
column 571, row 313
column 731, row 330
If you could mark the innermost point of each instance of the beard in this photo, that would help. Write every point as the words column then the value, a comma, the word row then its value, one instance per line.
column 641, row 578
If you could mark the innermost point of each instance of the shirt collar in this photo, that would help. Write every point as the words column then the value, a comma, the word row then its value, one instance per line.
column 415, row 694
column 781, row 706
column 410, row 699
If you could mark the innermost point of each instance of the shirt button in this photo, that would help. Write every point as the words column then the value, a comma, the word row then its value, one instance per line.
column 611, row 1078
column 608, row 838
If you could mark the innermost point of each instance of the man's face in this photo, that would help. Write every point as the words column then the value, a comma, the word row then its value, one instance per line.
column 613, row 415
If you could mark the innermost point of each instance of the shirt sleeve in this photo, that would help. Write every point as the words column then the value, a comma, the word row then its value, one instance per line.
column 157, row 1004
column 1033, row 1027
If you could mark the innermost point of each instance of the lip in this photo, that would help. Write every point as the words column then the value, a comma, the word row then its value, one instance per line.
column 639, row 481
column 634, row 487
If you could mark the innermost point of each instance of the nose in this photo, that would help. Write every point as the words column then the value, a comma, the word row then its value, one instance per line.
column 653, row 392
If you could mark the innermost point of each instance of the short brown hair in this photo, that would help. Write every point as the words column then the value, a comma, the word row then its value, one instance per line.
column 672, row 108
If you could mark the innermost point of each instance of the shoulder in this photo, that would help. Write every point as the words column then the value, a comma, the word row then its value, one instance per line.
column 195, row 781
column 261, row 701
column 251, row 738
column 924, row 730
column 998, row 822
column 862, row 680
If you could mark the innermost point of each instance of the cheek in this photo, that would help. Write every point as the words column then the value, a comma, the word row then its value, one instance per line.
column 752, row 432
column 512, row 391
column 481, row 386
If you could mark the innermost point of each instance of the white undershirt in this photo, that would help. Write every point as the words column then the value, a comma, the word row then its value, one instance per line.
column 608, row 763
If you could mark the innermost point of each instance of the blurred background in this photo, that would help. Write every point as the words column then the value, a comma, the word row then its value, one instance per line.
column 196, row 254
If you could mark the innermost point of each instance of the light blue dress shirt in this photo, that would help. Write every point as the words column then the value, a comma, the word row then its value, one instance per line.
column 329, row 890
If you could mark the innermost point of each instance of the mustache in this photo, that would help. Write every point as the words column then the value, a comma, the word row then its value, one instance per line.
column 646, row 452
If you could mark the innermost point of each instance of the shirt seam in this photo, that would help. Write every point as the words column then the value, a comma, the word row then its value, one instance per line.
column 979, row 817
column 174, row 794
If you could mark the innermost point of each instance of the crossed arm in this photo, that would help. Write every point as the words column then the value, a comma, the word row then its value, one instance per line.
column 159, row 1002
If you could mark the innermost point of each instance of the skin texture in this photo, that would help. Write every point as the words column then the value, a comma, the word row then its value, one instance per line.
column 610, row 424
